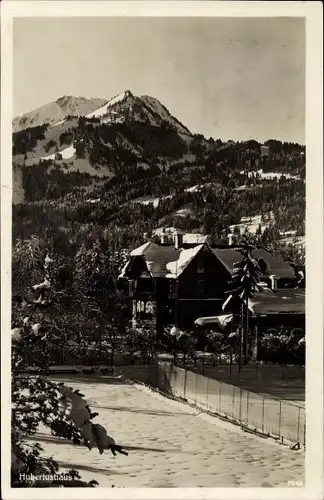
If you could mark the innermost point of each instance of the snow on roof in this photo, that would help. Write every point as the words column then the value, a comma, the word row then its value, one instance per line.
column 228, row 256
column 220, row 320
column 140, row 250
column 163, row 260
column 282, row 301
column 150, row 265
column 176, row 267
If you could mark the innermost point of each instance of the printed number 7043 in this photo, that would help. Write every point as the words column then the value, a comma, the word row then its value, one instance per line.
column 296, row 484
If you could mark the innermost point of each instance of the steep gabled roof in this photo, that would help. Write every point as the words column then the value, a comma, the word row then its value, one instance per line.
column 228, row 256
column 163, row 261
column 169, row 262
column 177, row 266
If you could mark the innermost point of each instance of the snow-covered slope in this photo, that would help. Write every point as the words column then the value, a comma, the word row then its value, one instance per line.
column 124, row 107
column 65, row 154
column 270, row 175
column 144, row 109
column 18, row 194
column 158, row 109
column 105, row 109
column 55, row 112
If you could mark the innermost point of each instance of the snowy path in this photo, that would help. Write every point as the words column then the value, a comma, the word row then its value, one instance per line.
column 178, row 445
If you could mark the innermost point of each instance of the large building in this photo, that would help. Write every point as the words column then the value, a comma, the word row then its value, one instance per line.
column 178, row 283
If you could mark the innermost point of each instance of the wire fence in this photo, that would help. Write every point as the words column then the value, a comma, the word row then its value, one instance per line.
column 258, row 413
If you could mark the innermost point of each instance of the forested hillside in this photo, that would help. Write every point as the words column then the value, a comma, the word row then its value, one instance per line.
column 93, row 179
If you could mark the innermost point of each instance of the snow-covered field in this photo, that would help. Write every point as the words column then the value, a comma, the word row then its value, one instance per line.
column 251, row 224
column 147, row 200
column 98, row 113
column 170, row 444
column 66, row 154
column 270, row 175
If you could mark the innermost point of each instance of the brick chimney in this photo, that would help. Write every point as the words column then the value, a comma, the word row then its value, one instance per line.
column 274, row 282
column 178, row 240
column 231, row 237
column 163, row 237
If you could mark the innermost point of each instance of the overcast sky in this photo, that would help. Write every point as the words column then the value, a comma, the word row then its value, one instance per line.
column 235, row 78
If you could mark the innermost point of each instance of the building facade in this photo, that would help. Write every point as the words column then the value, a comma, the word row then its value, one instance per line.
column 176, row 283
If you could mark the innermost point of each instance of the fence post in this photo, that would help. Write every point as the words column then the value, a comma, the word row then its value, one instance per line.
column 304, row 434
column 240, row 411
column 220, row 397
column 157, row 375
column 196, row 375
column 279, row 419
column 233, row 401
column 207, row 392
column 262, row 413
column 298, row 424
column 247, row 407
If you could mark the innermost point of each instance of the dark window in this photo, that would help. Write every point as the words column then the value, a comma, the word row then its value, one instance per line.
column 263, row 266
column 131, row 286
column 200, row 267
column 200, row 288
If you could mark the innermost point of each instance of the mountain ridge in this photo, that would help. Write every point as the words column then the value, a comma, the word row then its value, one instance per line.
column 56, row 111
column 144, row 109
column 128, row 164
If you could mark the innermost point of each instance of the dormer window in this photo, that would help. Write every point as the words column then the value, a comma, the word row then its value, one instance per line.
column 200, row 267
column 200, row 288
column 145, row 274
column 263, row 266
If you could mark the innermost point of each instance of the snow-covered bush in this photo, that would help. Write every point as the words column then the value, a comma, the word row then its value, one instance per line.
column 38, row 401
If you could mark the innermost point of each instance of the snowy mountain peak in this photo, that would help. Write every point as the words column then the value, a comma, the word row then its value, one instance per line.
column 64, row 100
column 145, row 109
column 56, row 111
column 123, row 107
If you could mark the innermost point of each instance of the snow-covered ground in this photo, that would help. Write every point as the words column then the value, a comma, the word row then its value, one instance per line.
column 270, row 175
column 100, row 112
column 170, row 444
column 66, row 154
column 58, row 123
column 251, row 224
column 157, row 108
column 146, row 200
column 297, row 241
column 187, row 238
column 184, row 212
column 194, row 189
